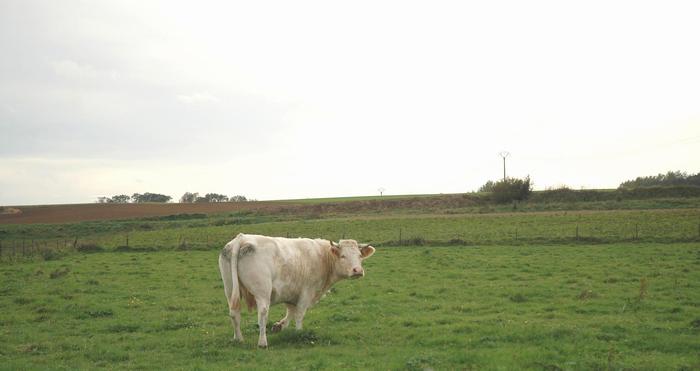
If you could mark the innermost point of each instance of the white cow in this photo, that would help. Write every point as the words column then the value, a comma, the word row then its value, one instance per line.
column 297, row 272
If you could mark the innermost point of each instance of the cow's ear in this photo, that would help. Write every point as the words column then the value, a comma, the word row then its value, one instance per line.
column 366, row 251
column 334, row 248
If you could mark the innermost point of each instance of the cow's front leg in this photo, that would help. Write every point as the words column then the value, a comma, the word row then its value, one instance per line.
column 263, row 310
column 299, row 317
column 284, row 322
column 303, row 304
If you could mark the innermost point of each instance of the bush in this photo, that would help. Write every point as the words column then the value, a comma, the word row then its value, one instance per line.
column 487, row 187
column 50, row 254
column 89, row 248
column 511, row 189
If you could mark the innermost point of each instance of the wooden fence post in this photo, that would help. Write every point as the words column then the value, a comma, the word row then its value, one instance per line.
column 400, row 235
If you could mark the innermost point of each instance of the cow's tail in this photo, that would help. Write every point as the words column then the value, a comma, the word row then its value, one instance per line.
column 228, row 266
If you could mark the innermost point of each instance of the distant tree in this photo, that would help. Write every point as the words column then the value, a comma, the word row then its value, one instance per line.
column 238, row 198
column 215, row 197
column 149, row 197
column 189, row 197
column 121, row 199
column 671, row 178
column 104, row 200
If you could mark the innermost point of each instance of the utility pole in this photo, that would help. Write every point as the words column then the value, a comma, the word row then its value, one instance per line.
column 381, row 191
column 504, row 154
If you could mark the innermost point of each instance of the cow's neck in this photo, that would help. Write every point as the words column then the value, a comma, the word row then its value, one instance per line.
column 330, row 276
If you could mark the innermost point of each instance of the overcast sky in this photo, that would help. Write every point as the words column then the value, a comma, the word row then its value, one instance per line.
column 297, row 99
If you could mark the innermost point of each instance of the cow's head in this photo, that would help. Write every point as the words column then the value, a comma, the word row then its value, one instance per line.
column 349, row 257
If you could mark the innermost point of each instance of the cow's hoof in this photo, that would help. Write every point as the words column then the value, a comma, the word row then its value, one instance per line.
column 262, row 346
column 277, row 327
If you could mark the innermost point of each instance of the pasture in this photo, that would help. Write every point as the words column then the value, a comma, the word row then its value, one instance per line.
column 574, row 306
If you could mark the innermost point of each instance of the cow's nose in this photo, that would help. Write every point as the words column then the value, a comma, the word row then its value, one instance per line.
column 358, row 271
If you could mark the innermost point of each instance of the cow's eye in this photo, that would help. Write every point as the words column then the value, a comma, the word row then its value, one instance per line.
column 342, row 256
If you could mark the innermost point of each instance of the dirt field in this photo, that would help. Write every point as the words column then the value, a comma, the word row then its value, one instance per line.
column 85, row 212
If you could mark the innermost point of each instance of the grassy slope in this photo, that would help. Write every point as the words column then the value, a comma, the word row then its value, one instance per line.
column 571, row 307
column 350, row 199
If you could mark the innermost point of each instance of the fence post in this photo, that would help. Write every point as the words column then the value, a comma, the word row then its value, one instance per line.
column 636, row 231
column 400, row 235
column 127, row 240
column 516, row 233
column 576, row 232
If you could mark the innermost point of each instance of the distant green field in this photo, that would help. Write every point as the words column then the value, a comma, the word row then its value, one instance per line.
column 615, row 306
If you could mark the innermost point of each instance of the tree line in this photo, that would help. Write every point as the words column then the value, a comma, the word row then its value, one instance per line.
column 136, row 198
column 670, row 179
column 514, row 189
column 188, row 197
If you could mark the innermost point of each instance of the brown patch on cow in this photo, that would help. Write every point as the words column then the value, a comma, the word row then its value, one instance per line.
column 246, row 249
column 249, row 298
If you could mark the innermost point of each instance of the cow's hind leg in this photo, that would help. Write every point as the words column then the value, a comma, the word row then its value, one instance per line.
column 284, row 322
column 236, row 322
column 263, row 310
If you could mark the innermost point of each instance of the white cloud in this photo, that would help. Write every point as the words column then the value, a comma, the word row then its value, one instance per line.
column 197, row 98
column 73, row 70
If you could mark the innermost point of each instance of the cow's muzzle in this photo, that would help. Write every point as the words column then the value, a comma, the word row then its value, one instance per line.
column 357, row 272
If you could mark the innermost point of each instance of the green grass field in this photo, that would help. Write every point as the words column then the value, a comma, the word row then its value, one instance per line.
column 614, row 306
column 601, row 284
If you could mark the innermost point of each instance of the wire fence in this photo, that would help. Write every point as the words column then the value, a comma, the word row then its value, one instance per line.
column 13, row 250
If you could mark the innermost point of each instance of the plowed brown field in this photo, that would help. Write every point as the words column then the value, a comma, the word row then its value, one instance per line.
column 86, row 212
